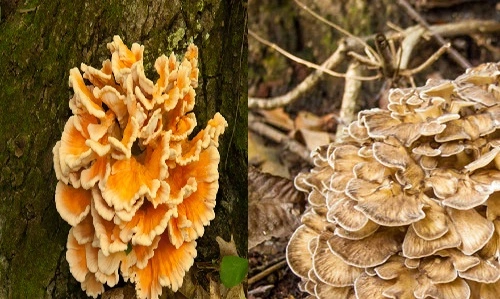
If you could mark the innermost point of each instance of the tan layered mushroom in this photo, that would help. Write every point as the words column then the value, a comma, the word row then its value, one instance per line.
column 407, row 203
column 136, row 189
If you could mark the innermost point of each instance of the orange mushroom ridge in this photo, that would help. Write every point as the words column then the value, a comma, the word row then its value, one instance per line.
column 135, row 188
column 407, row 203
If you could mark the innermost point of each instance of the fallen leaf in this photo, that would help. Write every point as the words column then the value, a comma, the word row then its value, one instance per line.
column 310, row 121
column 236, row 293
column 312, row 129
column 226, row 248
column 314, row 139
column 266, row 156
column 190, row 288
column 278, row 118
column 274, row 206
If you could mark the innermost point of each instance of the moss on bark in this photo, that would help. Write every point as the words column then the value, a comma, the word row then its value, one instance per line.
column 39, row 42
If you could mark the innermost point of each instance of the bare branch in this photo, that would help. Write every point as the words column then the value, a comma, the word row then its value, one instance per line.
column 278, row 137
column 333, row 61
column 350, row 98
column 445, row 30
column 266, row 272
column 465, row 27
column 428, row 62
column 300, row 60
column 411, row 39
column 300, row 89
column 416, row 16
column 369, row 62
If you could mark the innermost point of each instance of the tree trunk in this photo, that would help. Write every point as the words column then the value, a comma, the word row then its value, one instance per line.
column 39, row 43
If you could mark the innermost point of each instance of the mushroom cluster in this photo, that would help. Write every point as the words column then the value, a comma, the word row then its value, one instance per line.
column 407, row 203
column 136, row 189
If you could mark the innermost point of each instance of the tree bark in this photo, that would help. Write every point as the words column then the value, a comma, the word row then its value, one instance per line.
column 39, row 43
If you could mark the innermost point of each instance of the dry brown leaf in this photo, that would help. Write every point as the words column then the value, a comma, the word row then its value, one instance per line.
column 278, row 118
column 314, row 139
column 190, row 288
column 273, row 207
column 236, row 292
column 219, row 291
column 310, row 121
column 226, row 248
column 312, row 129
column 267, row 157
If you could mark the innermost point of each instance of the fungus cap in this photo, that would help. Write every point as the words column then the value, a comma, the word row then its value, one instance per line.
column 405, row 203
column 136, row 188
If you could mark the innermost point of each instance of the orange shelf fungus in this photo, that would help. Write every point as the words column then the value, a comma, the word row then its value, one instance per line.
column 406, row 203
column 135, row 187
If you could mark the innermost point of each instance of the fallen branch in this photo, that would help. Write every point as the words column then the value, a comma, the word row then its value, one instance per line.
column 416, row 16
column 466, row 27
column 428, row 62
column 278, row 137
column 303, row 87
column 266, row 272
column 300, row 60
column 350, row 98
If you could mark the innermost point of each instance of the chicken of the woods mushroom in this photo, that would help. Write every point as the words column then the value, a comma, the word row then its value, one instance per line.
column 135, row 188
column 407, row 203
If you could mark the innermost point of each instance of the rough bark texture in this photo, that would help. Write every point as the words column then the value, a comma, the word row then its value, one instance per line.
column 39, row 42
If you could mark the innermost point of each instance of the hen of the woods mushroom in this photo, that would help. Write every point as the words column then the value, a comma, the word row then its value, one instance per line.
column 407, row 204
column 135, row 189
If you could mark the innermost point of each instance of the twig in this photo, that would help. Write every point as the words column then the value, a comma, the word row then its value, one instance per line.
column 266, row 272
column 411, row 38
column 260, row 289
column 483, row 42
column 465, row 27
column 453, row 53
column 302, row 61
column 369, row 62
column 394, row 27
column 385, row 50
column 302, row 88
column 352, row 88
column 446, row 30
column 428, row 62
column 278, row 137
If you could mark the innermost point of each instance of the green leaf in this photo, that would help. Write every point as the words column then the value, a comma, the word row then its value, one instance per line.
column 233, row 270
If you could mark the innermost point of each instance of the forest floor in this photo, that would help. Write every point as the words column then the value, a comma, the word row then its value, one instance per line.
column 281, row 136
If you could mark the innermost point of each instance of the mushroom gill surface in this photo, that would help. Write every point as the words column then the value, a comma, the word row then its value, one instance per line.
column 408, row 198
column 136, row 188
